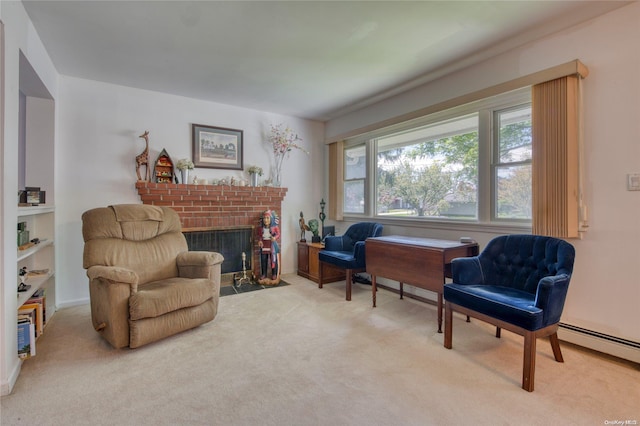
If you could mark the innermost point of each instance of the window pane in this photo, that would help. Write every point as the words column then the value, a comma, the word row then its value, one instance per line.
column 515, row 135
column 354, row 196
column 355, row 163
column 431, row 171
column 513, row 171
column 513, row 192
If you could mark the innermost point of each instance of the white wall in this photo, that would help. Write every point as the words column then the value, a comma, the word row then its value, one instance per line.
column 605, row 289
column 98, row 141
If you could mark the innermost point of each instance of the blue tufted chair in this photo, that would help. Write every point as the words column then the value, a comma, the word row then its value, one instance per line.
column 519, row 283
column 347, row 251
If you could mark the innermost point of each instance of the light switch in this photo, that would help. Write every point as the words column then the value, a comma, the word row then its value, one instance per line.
column 633, row 182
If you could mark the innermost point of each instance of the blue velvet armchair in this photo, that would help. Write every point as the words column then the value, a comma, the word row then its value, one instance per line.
column 519, row 283
column 348, row 251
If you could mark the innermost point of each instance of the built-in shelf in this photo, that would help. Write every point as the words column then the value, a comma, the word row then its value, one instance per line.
column 36, row 282
column 40, row 222
column 23, row 254
column 33, row 210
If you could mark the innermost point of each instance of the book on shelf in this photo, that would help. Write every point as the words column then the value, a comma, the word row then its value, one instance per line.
column 26, row 336
column 27, row 313
column 38, row 317
column 40, row 298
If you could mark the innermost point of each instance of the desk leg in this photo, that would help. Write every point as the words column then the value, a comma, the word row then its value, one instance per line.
column 439, row 312
column 373, row 289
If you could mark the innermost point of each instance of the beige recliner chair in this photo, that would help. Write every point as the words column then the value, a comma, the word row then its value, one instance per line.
column 144, row 283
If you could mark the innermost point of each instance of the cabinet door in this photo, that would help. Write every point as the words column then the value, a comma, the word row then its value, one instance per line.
column 314, row 263
column 303, row 258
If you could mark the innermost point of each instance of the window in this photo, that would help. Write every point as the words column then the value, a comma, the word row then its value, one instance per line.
column 512, row 164
column 529, row 173
column 430, row 171
column 469, row 164
column 355, row 172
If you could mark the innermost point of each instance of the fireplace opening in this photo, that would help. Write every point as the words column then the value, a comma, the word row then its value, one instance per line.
column 231, row 243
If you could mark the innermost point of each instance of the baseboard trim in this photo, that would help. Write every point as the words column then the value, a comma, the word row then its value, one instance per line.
column 611, row 345
column 7, row 386
column 72, row 303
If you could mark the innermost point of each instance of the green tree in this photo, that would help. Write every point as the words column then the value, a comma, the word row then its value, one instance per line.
column 423, row 188
column 515, row 137
column 514, row 193
column 454, row 150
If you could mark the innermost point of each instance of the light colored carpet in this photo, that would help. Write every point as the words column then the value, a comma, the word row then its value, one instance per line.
column 299, row 355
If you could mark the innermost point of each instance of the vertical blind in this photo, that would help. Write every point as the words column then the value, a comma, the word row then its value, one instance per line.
column 555, row 178
column 336, row 176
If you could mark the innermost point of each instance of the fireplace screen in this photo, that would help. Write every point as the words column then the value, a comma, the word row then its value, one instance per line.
column 231, row 243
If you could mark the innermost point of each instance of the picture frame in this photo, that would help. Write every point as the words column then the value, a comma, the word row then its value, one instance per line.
column 217, row 147
column 33, row 195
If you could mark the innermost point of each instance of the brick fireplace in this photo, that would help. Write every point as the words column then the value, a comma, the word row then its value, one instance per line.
column 214, row 207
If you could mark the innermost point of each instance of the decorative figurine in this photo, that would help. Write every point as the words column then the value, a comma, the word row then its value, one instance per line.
column 268, row 236
column 321, row 215
column 303, row 228
column 143, row 158
column 23, row 277
column 313, row 227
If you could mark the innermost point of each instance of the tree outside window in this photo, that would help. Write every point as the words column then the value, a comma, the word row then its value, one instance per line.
column 431, row 171
column 513, row 164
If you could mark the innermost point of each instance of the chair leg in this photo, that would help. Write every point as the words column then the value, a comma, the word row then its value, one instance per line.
column 448, row 326
column 555, row 345
column 320, row 275
column 529, row 364
column 349, row 273
column 374, row 289
column 498, row 332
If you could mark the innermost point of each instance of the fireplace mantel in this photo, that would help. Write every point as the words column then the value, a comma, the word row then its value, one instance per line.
column 204, row 207
column 213, row 206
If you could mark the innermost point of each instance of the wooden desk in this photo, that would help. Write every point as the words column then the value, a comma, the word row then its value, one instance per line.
column 420, row 262
column 309, row 264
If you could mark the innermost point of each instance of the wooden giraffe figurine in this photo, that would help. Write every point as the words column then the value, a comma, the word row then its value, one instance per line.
column 143, row 158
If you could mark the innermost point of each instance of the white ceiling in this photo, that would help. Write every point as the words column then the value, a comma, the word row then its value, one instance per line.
column 310, row 59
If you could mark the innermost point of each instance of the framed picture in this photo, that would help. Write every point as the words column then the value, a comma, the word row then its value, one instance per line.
column 217, row 147
column 33, row 195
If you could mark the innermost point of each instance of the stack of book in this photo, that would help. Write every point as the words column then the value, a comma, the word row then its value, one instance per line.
column 31, row 322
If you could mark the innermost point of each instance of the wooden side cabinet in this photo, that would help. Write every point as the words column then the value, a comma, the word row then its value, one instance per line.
column 309, row 265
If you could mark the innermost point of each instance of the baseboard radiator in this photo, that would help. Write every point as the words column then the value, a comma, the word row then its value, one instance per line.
column 612, row 345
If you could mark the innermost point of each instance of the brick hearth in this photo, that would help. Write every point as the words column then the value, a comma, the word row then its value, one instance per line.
column 203, row 207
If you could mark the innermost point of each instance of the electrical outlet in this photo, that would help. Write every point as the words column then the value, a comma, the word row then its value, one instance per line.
column 633, row 182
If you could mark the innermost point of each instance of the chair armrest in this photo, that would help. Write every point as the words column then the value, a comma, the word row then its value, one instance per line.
column 197, row 264
column 358, row 251
column 550, row 297
column 114, row 274
column 466, row 270
column 334, row 243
